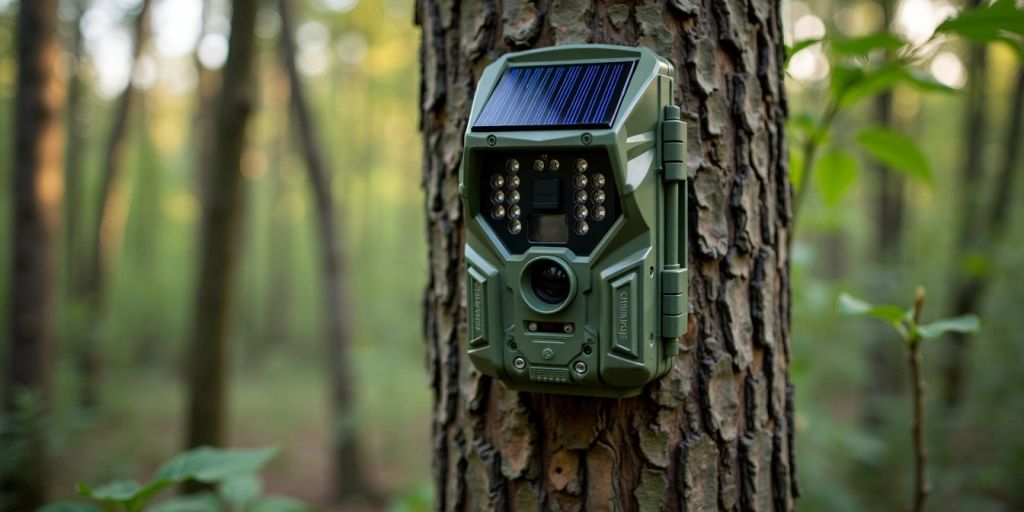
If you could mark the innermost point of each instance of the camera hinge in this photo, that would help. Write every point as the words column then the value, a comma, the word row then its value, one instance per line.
column 674, row 280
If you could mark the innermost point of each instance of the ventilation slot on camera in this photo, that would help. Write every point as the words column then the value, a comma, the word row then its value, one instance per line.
column 549, row 374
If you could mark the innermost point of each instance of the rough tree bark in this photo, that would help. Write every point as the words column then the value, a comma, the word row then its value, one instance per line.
column 349, row 474
column 103, row 231
column 219, row 235
column 36, row 189
column 716, row 433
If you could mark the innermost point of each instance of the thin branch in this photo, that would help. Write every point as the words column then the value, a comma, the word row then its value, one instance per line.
column 810, row 151
column 921, row 484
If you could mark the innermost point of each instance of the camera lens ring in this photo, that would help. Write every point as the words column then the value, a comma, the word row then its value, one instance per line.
column 550, row 282
column 547, row 284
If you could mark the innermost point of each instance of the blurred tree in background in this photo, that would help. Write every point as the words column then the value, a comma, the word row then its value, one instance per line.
column 36, row 187
column 905, row 133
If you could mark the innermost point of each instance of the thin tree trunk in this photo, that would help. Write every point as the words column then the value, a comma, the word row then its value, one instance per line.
column 277, row 319
column 349, row 473
column 106, row 228
column 144, row 234
column 203, row 124
column 969, row 289
column 36, row 190
column 219, row 235
column 969, row 237
column 74, row 160
column 716, row 432
column 883, row 363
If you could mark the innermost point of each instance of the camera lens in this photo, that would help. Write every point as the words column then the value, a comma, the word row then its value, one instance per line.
column 550, row 282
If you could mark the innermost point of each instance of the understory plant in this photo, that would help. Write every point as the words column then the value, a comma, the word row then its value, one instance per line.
column 230, row 475
column 907, row 324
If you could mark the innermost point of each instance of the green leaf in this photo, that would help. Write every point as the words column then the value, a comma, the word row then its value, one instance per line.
column 897, row 151
column 127, row 492
column 843, row 77
column 863, row 45
column 277, row 504
column 925, row 82
column 977, row 264
column 800, row 45
column 118, row 490
column 69, row 506
column 850, row 83
column 986, row 23
column 213, row 465
column 849, row 305
column 202, row 502
column 870, row 83
column 962, row 324
column 809, row 126
column 240, row 491
column 834, row 172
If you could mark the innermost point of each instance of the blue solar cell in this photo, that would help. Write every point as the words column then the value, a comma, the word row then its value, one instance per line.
column 560, row 96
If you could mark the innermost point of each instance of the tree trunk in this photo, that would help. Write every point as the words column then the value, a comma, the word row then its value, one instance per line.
column 36, row 189
column 349, row 473
column 716, row 432
column 106, row 228
column 219, row 235
column 144, row 229
column 280, row 247
column 206, row 96
column 966, row 289
column 884, row 364
column 74, row 159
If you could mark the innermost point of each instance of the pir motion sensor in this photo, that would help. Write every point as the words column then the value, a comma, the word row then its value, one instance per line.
column 573, row 186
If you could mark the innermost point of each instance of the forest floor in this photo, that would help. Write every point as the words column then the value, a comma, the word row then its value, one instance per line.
column 281, row 403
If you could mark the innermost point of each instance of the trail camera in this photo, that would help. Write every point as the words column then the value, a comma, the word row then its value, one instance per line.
column 573, row 183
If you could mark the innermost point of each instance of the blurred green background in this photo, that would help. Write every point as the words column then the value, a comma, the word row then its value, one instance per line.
column 359, row 60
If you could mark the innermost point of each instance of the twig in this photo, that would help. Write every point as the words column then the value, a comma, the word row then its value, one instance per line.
column 921, row 485
column 810, row 150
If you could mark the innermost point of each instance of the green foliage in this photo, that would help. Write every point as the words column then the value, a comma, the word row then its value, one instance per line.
column 69, row 506
column 419, row 499
column 849, row 305
column 865, row 66
column 199, row 502
column 835, row 172
column 211, row 465
column 986, row 23
column 902, row 321
column 862, row 46
column 897, row 151
column 801, row 45
column 966, row 324
column 232, row 472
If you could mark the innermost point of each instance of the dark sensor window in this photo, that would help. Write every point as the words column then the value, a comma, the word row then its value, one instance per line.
column 556, row 96
column 532, row 197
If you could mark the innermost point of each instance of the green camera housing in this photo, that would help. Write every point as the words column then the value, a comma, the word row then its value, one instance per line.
column 573, row 182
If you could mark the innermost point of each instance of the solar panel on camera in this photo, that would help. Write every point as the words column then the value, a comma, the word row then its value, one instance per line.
column 556, row 96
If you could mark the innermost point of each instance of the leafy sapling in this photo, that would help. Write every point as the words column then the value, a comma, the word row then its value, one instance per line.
column 907, row 323
column 864, row 66
column 231, row 473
